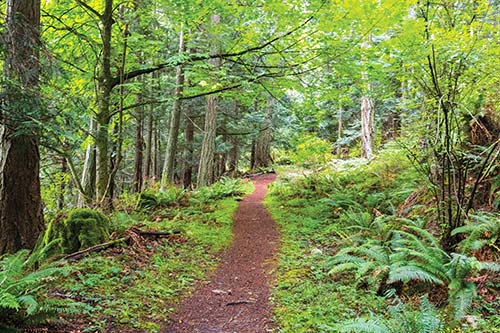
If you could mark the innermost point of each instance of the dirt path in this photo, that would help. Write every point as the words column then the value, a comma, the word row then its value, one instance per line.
column 236, row 299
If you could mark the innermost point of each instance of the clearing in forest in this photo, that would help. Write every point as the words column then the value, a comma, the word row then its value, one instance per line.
column 236, row 298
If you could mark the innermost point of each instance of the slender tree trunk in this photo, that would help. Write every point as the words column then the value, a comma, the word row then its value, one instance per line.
column 21, row 215
column 103, row 105
column 187, row 177
column 234, row 157
column 89, row 171
column 157, row 154
column 262, row 157
column 175, row 117
column 206, row 166
column 139, row 145
column 252, row 154
column 339, row 133
column 149, row 146
column 367, row 113
column 62, row 189
column 366, row 127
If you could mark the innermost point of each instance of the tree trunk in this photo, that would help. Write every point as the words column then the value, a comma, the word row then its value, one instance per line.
column 367, row 114
column 139, row 146
column 62, row 189
column 89, row 171
column 366, row 127
column 339, row 133
column 187, row 174
column 149, row 146
column 234, row 157
column 21, row 215
column 262, row 158
column 157, row 154
column 175, row 117
column 103, row 118
column 206, row 166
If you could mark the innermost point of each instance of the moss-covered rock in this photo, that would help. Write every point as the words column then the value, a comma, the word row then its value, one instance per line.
column 80, row 229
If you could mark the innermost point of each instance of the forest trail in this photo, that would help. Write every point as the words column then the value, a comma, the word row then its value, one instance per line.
column 237, row 297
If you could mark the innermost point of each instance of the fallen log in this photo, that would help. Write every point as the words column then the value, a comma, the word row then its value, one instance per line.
column 133, row 230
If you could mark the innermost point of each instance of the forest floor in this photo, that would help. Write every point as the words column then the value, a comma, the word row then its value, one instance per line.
column 236, row 299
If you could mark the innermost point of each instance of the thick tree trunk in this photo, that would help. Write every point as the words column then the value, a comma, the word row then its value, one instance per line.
column 187, row 169
column 21, row 215
column 206, row 166
column 175, row 117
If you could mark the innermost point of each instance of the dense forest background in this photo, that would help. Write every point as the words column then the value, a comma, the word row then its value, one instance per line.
column 107, row 103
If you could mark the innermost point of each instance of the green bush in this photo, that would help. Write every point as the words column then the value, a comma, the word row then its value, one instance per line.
column 224, row 188
column 147, row 200
column 311, row 151
column 166, row 197
column 82, row 228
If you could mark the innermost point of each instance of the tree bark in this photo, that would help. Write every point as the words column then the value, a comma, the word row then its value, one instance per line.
column 187, row 177
column 149, row 146
column 156, row 154
column 367, row 114
column 262, row 158
column 175, row 116
column 103, row 118
column 21, row 214
column 139, row 145
column 366, row 127
column 89, row 171
column 206, row 166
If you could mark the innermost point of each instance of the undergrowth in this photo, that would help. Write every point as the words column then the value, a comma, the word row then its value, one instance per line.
column 132, row 287
column 361, row 254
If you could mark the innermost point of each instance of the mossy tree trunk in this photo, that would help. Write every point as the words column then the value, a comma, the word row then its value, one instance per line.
column 21, row 216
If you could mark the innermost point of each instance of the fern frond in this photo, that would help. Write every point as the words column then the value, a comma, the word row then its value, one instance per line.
column 360, row 325
column 461, row 300
column 409, row 272
column 348, row 266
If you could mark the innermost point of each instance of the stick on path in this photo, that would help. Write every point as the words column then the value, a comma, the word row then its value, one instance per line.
column 237, row 297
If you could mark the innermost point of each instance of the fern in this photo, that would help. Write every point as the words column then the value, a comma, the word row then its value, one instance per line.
column 361, row 325
column 21, row 285
column 401, row 319
column 483, row 230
